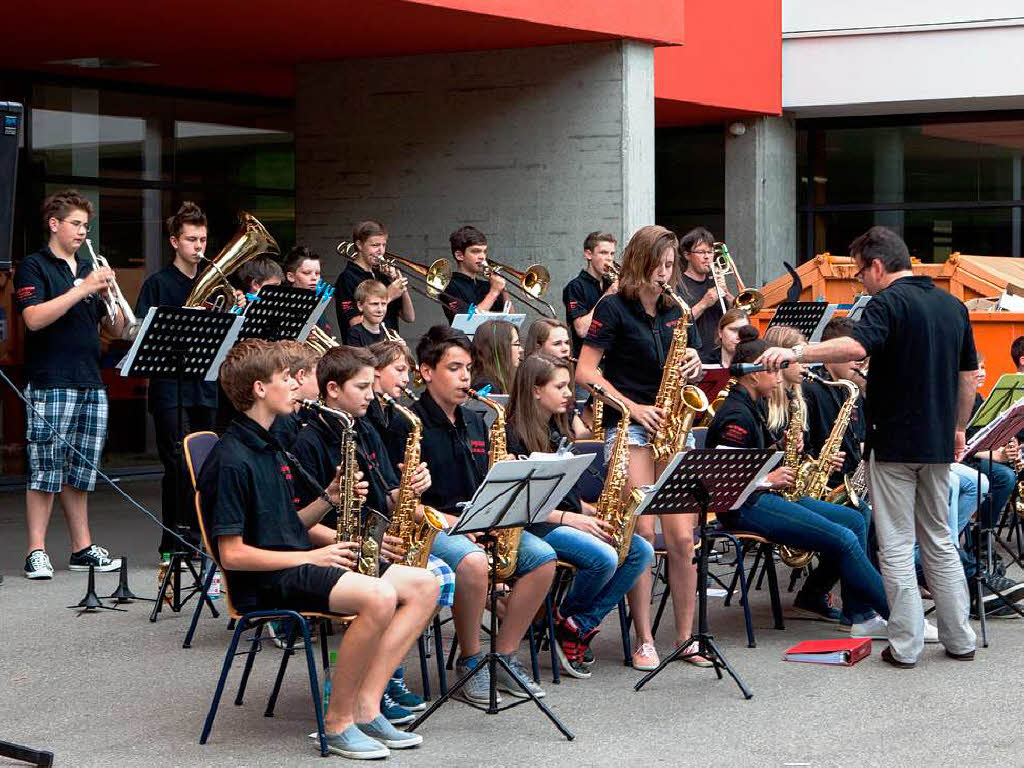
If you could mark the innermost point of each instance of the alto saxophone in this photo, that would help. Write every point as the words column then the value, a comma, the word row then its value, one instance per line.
column 612, row 507
column 506, row 546
column 681, row 402
column 813, row 474
column 417, row 536
column 791, row 556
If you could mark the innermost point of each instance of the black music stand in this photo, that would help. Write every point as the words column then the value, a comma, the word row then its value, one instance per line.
column 996, row 433
column 283, row 312
column 703, row 481
column 808, row 317
column 514, row 494
column 38, row 757
column 181, row 343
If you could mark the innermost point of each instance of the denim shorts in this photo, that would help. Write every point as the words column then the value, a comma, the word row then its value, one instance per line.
column 533, row 551
column 636, row 435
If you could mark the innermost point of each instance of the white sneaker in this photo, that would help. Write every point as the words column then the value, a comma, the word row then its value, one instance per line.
column 876, row 628
column 931, row 632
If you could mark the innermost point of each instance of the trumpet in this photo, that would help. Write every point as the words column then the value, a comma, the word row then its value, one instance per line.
column 431, row 281
column 747, row 299
column 113, row 299
column 530, row 284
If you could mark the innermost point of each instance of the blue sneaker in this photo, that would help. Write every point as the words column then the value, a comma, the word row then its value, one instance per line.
column 400, row 693
column 355, row 744
column 394, row 712
column 379, row 729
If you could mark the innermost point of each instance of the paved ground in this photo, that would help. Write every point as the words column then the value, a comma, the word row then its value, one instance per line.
column 111, row 689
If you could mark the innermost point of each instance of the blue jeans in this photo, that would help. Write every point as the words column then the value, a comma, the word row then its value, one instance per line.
column 839, row 534
column 600, row 582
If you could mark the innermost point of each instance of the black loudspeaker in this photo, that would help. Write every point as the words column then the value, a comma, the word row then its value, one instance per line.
column 11, row 116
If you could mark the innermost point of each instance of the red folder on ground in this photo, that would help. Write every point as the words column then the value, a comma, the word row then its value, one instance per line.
column 845, row 651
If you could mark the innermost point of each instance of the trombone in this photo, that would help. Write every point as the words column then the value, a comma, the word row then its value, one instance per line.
column 430, row 281
column 530, row 285
column 747, row 299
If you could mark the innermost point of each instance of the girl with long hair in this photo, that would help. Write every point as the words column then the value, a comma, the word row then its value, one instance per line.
column 624, row 353
column 496, row 355
column 537, row 421
column 729, row 333
column 551, row 337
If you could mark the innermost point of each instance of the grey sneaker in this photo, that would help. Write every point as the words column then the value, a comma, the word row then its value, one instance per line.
column 381, row 730
column 356, row 745
column 507, row 684
column 477, row 690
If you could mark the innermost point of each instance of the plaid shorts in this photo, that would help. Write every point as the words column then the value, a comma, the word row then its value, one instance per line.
column 446, row 578
column 80, row 417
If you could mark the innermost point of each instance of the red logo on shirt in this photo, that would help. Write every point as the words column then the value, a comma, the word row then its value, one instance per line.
column 673, row 323
column 453, row 305
column 573, row 304
column 26, row 292
column 286, row 471
column 595, row 326
column 478, row 446
column 346, row 305
column 735, row 433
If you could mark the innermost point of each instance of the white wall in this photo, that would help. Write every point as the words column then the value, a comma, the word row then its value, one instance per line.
column 897, row 65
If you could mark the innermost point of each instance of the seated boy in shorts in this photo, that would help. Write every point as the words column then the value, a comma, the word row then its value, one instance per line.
column 277, row 556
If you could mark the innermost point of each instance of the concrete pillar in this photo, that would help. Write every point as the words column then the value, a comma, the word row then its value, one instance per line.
column 888, row 186
column 535, row 147
column 760, row 198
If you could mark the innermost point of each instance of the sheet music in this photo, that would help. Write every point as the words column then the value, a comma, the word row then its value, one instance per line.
column 468, row 325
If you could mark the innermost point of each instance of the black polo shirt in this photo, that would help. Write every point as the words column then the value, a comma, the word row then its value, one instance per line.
column 739, row 423
column 580, row 295
column 170, row 287
column 246, row 489
column 360, row 336
column 66, row 353
column 380, row 416
column 285, row 430
column 823, row 404
column 345, row 298
column 635, row 345
column 318, row 449
column 571, row 501
column 693, row 291
column 463, row 290
column 456, row 453
column 919, row 339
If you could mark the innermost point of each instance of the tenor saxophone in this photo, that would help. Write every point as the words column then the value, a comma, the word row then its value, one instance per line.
column 612, row 505
column 791, row 556
column 417, row 535
column 506, row 539
column 681, row 402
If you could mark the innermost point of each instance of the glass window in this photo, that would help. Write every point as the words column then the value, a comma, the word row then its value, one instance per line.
column 206, row 153
column 690, row 179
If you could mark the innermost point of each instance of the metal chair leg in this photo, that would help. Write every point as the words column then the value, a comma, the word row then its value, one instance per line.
column 439, row 656
column 421, row 644
column 534, row 662
column 663, row 602
column 314, row 688
column 199, row 608
column 256, row 641
column 556, row 672
column 229, row 657
column 289, row 649
column 773, row 588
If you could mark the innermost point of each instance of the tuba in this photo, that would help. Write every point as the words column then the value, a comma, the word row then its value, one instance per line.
column 681, row 402
column 506, row 546
column 213, row 288
column 615, row 510
column 417, row 536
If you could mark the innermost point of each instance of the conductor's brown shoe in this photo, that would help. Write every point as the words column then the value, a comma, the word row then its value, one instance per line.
column 888, row 658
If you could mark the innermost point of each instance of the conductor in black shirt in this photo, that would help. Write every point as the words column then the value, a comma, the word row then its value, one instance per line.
column 170, row 287
column 468, row 285
column 920, row 392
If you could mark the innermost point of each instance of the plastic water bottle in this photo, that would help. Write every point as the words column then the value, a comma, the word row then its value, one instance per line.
column 215, row 586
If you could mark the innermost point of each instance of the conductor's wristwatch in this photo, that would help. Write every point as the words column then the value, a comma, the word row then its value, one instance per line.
column 798, row 351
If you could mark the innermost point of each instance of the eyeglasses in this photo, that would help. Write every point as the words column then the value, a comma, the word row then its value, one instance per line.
column 702, row 253
column 859, row 274
column 75, row 224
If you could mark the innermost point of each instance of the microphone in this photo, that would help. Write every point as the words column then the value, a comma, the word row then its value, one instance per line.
column 742, row 369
